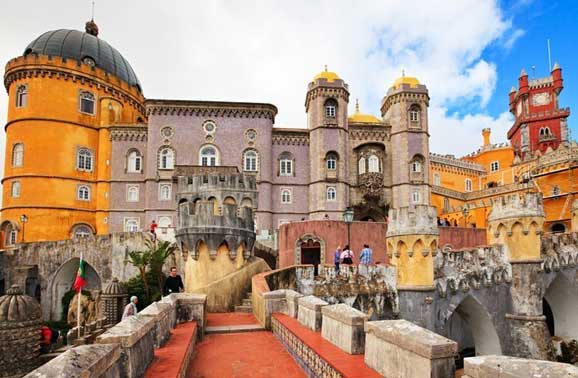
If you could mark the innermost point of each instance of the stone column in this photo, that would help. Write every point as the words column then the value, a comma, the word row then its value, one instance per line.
column 412, row 243
column 517, row 223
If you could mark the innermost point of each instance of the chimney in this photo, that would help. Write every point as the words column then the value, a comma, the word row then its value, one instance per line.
column 486, row 134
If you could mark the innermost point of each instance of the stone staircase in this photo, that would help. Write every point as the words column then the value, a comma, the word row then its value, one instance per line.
column 246, row 306
column 232, row 322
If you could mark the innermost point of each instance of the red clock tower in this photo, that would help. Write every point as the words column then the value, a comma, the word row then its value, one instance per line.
column 540, row 123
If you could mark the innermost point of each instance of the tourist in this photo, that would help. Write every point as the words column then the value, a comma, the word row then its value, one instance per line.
column 440, row 223
column 173, row 283
column 455, row 223
column 365, row 259
column 337, row 258
column 153, row 230
column 46, row 339
column 347, row 256
column 446, row 222
column 130, row 309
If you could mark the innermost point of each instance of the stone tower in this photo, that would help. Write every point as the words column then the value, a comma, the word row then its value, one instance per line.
column 326, row 107
column 405, row 109
column 517, row 223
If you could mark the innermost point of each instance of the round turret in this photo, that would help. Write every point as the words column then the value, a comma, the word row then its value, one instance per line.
column 114, row 298
column 20, row 321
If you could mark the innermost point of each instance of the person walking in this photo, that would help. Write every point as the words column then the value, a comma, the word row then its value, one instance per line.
column 337, row 258
column 347, row 256
column 46, row 339
column 153, row 230
column 365, row 259
column 173, row 283
column 130, row 309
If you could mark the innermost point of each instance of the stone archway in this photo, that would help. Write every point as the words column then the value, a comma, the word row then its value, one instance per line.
column 561, row 299
column 309, row 240
column 63, row 280
column 471, row 326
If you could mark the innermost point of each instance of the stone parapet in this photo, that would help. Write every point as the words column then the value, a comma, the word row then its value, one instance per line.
column 292, row 298
column 161, row 314
column 398, row 348
column 189, row 306
column 86, row 361
column 517, row 206
column 309, row 313
column 413, row 220
column 342, row 325
column 510, row 367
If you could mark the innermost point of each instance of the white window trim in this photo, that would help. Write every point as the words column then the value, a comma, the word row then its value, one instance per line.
column 288, row 164
column 138, row 157
column 128, row 190
column 290, row 196
column 256, row 157
column 22, row 89
column 90, row 155
column 127, row 219
column 437, row 179
column 13, row 186
column 414, row 115
column 331, row 159
column 330, row 188
column 361, row 165
column 161, row 185
column 330, row 111
column 93, row 105
column 216, row 156
column 371, row 161
column 416, row 197
column 12, row 237
column 496, row 164
column 78, row 196
column 79, row 227
column 171, row 166
column 468, row 185
column 18, row 162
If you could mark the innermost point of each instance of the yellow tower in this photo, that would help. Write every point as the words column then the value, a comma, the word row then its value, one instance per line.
column 64, row 92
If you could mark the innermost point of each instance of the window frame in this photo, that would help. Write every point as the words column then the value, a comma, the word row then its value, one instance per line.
column 83, row 189
column 289, row 193
column 286, row 167
column 416, row 166
column 331, row 162
column 361, row 166
column 137, row 167
column 22, row 96
column 203, row 156
column 78, row 227
column 253, row 161
column 15, row 189
column 468, row 185
column 415, row 197
column 163, row 158
column 371, row 161
column 170, row 190
column 437, row 179
column 131, row 219
column 496, row 164
column 131, row 188
column 86, row 96
column 17, row 155
column 331, row 197
column 12, row 237
column 84, row 160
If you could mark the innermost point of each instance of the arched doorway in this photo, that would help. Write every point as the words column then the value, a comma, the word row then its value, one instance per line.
column 471, row 326
column 561, row 307
column 558, row 228
column 311, row 253
column 63, row 281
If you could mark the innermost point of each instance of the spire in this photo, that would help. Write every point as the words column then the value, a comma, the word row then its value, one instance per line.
column 325, row 68
column 357, row 105
column 402, row 72
column 512, row 90
column 91, row 27
column 523, row 73
column 556, row 66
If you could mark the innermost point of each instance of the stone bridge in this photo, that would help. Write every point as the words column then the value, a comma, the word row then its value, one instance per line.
column 47, row 269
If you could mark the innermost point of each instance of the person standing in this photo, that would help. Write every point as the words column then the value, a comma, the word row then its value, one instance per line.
column 365, row 259
column 173, row 283
column 153, row 229
column 337, row 258
column 130, row 309
column 347, row 256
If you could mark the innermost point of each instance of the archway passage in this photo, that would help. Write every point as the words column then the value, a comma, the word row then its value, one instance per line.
column 558, row 228
column 63, row 281
column 472, row 328
column 561, row 308
column 311, row 253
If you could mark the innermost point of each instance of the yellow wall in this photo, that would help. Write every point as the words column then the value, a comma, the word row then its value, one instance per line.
column 52, row 129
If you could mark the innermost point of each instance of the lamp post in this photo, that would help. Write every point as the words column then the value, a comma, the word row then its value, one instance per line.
column 23, row 220
column 348, row 218
column 465, row 213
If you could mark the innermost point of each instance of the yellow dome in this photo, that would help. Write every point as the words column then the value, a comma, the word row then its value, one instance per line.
column 359, row 117
column 411, row 81
column 327, row 75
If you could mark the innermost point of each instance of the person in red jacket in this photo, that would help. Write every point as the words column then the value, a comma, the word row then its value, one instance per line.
column 46, row 339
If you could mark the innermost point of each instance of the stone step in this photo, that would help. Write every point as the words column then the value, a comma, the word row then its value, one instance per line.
column 234, row 328
column 247, row 302
column 243, row 308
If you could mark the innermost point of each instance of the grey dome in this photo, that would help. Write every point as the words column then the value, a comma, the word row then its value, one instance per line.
column 15, row 307
column 74, row 44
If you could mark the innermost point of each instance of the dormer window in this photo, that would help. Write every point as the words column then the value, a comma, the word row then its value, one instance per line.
column 330, row 108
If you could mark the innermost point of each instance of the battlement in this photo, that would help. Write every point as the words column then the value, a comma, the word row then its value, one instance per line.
column 517, row 206
column 413, row 220
column 47, row 65
column 455, row 162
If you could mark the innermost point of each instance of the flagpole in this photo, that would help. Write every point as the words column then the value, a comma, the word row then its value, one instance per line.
column 78, row 300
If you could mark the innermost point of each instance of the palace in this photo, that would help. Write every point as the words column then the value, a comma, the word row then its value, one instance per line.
column 105, row 157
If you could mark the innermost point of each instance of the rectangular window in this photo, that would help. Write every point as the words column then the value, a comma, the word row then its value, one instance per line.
column 414, row 116
column 87, row 100
column 131, row 224
column 21, row 96
column 494, row 166
column 16, row 189
column 13, row 237
column 468, row 185
column 330, row 111
column 286, row 167
column 331, row 194
column 132, row 193
column 165, row 192
column 286, row 196
column 415, row 197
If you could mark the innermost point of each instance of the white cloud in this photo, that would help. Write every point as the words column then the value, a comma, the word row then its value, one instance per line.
column 513, row 37
column 268, row 51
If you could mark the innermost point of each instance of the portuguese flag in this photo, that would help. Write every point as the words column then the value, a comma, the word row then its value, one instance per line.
column 80, row 281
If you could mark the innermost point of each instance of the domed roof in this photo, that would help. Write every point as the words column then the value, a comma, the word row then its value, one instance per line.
column 359, row 117
column 16, row 307
column 327, row 75
column 85, row 47
column 411, row 81
column 114, row 288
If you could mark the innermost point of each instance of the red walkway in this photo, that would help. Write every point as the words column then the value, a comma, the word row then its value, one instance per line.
column 172, row 359
column 242, row 355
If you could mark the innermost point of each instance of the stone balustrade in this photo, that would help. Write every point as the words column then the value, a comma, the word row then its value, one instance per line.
column 292, row 298
column 309, row 313
column 342, row 325
column 163, row 322
column 511, row 367
column 398, row 348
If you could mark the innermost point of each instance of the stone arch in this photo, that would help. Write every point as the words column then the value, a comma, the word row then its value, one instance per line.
column 230, row 200
column 471, row 326
column 562, row 298
column 63, row 279
column 216, row 207
column 309, row 238
column 557, row 228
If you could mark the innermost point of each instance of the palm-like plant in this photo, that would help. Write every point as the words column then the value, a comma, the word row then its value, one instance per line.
column 160, row 251
column 141, row 260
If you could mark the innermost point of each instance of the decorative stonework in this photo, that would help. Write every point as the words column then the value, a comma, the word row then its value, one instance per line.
column 114, row 298
column 290, row 139
column 377, row 134
column 210, row 109
column 128, row 134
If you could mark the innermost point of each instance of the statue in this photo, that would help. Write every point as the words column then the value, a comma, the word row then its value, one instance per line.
column 90, row 308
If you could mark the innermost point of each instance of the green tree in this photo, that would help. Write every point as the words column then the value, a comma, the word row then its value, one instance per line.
column 160, row 251
column 141, row 260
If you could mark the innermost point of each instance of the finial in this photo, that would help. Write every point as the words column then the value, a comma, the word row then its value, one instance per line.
column 556, row 66
column 357, row 105
column 325, row 68
column 91, row 27
column 402, row 72
column 512, row 90
column 92, row 14
column 523, row 73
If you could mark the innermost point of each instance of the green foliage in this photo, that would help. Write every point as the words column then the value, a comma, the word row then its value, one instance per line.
column 135, row 286
column 63, row 327
column 66, row 302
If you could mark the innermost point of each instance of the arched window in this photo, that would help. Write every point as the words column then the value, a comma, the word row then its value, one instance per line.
column 21, row 96
column 166, row 158
column 250, row 161
column 134, row 162
column 81, row 231
column 373, row 163
column 436, row 179
column 446, row 205
column 165, row 192
column 331, row 194
column 131, row 225
column 132, row 193
column 84, row 160
column 468, row 184
column 286, row 164
column 331, row 161
column 414, row 115
column 208, row 156
column 86, row 102
column 416, row 166
column 330, row 108
column 18, row 155
column 361, row 165
column 15, row 189
column 286, row 196
column 83, row 193
column 10, row 234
